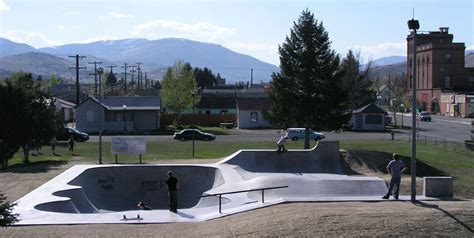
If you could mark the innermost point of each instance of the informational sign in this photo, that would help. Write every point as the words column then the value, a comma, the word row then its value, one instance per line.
column 460, row 99
column 128, row 145
column 447, row 98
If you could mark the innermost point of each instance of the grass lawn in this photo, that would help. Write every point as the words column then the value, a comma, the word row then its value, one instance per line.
column 459, row 166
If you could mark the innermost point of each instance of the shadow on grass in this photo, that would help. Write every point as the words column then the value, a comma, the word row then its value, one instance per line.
column 34, row 167
column 434, row 206
column 355, row 160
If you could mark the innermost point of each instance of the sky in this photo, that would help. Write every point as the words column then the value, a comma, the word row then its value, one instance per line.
column 375, row 28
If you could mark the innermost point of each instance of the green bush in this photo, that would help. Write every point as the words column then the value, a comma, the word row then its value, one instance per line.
column 6, row 216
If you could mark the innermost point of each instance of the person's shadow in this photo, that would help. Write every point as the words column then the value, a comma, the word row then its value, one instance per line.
column 434, row 206
column 185, row 215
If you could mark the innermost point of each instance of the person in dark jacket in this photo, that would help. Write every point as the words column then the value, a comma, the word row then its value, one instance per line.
column 173, row 186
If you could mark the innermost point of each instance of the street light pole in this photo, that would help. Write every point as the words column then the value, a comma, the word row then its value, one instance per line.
column 99, row 72
column 413, row 25
column 193, row 94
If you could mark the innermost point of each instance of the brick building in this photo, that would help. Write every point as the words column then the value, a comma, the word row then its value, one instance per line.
column 444, row 85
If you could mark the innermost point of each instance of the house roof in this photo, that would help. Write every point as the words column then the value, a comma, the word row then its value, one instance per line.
column 369, row 108
column 253, row 103
column 217, row 101
column 65, row 104
column 131, row 103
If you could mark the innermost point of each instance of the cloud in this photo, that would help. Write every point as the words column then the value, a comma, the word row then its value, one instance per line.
column 381, row 50
column 34, row 39
column 120, row 15
column 169, row 28
column 470, row 47
column 60, row 27
column 3, row 6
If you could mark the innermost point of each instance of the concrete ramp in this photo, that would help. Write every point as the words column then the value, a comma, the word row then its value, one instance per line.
column 323, row 158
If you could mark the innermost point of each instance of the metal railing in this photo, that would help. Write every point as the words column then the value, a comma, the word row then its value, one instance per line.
column 242, row 191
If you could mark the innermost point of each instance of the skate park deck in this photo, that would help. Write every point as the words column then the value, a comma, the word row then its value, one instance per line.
column 87, row 194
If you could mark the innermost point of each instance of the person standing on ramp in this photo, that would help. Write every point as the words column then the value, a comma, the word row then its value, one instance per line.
column 396, row 167
column 173, row 186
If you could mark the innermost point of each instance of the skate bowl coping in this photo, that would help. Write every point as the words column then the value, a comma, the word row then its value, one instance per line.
column 323, row 158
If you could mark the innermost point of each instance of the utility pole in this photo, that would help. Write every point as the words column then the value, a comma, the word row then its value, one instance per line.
column 95, row 63
column 251, row 77
column 125, row 66
column 139, row 75
column 146, row 81
column 77, row 67
column 132, row 72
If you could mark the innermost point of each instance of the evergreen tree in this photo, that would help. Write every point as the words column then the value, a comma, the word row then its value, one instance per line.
column 308, row 91
column 110, row 79
column 205, row 77
column 178, row 85
column 357, row 82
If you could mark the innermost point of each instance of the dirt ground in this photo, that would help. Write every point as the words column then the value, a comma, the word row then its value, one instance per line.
column 388, row 218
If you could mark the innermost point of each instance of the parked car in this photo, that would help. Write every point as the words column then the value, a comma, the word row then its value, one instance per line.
column 298, row 133
column 187, row 134
column 423, row 116
column 76, row 134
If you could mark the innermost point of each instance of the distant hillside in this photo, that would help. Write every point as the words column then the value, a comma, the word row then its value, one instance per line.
column 159, row 54
column 8, row 47
column 38, row 64
column 382, row 72
column 389, row 60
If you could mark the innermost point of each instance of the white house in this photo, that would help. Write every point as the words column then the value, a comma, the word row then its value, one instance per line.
column 119, row 114
column 249, row 112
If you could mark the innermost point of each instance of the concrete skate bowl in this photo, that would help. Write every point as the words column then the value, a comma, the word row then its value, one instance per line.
column 121, row 188
column 323, row 158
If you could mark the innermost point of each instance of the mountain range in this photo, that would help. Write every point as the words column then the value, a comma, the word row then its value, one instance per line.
column 156, row 56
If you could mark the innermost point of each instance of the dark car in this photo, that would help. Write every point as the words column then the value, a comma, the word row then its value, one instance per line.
column 76, row 134
column 187, row 134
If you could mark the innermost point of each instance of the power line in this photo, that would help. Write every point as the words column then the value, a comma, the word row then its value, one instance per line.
column 77, row 67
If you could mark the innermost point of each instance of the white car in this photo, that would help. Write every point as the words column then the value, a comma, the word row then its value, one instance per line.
column 298, row 133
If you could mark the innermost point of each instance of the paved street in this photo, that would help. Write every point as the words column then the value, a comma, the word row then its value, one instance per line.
column 449, row 128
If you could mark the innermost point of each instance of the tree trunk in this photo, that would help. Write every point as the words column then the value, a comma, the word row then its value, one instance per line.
column 306, row 137
column 26, row 154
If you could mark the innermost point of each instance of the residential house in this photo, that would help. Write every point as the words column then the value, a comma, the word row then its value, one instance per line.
column 384, row 95
column 249, row 112
column 119, row 114
column 65, row 109
column 368, row 118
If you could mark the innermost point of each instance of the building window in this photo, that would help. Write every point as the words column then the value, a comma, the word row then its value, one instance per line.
column 448, row 57
column 373, row 119
column 447, row 82
column 253, row 117
column 90, row 116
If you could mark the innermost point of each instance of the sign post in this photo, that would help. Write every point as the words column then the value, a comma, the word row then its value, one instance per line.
column 128, row 145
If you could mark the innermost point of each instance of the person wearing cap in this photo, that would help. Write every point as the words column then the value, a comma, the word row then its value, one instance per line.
column 142, row 206
column 173, row 186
